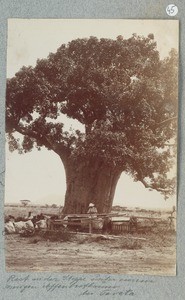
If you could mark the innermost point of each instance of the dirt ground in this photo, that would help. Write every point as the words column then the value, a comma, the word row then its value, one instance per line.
column 153, row 254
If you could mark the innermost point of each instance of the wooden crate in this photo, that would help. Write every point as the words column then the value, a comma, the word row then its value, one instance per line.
column 118, row 227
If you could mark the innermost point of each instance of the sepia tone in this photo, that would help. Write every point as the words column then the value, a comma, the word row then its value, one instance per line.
column 106, row 106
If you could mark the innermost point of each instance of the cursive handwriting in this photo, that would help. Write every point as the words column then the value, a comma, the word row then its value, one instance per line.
column 98, row 285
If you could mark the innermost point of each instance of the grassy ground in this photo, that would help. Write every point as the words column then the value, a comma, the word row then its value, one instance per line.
column 153, row 255
column 20, row 211
column 152, row 250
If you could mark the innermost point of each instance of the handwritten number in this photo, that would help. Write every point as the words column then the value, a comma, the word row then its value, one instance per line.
column 171, row 10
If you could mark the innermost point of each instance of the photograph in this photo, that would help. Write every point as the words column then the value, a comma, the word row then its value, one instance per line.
column 91, row 146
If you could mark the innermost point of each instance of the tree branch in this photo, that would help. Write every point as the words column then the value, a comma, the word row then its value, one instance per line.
column 170, row 145
column 60, row 149
column 153, row 186
column 167, row 120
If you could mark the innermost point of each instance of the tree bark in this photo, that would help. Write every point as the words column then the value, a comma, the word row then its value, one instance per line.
column 89, row 182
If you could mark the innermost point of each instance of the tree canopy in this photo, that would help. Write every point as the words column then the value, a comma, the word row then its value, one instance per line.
column 120, row 90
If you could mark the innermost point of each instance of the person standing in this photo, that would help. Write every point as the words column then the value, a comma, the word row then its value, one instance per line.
column 92, row 209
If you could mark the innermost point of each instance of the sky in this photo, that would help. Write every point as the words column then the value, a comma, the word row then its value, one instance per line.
column 39, row 175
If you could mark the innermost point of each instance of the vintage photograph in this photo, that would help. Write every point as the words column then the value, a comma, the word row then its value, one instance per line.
column 91, row 146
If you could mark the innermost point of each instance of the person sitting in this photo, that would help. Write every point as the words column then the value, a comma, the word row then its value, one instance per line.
column 30, row 217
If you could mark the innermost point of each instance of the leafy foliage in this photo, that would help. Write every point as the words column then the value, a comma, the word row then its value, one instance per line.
column 120, row 90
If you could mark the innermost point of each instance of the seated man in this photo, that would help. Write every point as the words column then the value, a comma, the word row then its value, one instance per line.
column 30, row 217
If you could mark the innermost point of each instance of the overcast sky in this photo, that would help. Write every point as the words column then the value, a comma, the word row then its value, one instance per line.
column 39, row 175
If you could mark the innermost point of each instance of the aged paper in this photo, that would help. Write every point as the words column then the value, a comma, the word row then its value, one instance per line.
column 142, row 236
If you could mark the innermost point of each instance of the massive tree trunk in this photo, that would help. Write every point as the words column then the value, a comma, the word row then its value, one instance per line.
column 89, row 182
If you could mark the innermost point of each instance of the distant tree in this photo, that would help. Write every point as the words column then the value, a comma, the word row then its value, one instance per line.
column 123, row 94
column 54, row 205
column 117, row 208
column 25, row 202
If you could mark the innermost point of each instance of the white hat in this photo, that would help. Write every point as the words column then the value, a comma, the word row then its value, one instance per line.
column 91, row 204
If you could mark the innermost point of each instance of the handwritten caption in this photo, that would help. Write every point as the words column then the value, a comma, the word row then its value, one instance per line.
column 97, row 285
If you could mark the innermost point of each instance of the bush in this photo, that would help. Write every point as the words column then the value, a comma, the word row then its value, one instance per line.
column 54, row 206
column 131, row 244
column 57, row 235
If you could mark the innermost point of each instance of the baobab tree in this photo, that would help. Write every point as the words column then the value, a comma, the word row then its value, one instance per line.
column 123, row 94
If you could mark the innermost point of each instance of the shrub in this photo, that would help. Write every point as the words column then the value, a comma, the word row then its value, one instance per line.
column 131, row 244
column 57, row 235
